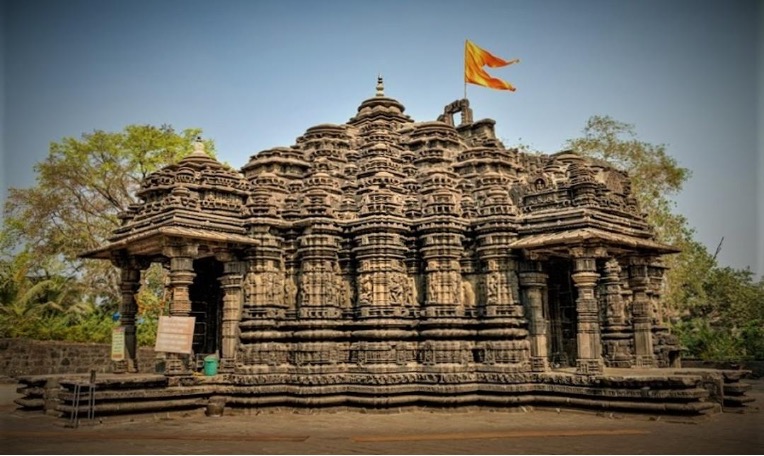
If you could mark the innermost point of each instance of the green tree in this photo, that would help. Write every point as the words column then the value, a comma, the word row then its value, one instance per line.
column 718, row 312
column 81, row 188
column 29, row 303
column 655, row 177
column 729, row 323
column 46, row 291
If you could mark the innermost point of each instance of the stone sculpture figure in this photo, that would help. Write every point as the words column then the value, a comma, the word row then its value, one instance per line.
column 270, row 288
column 364, row 295
column 492, row 288
column 433, row 284
column 468, row 294
column 396, row 289
column 456, row 287
column 409, row 290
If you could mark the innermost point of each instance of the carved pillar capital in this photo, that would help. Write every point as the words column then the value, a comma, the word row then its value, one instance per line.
column 224, row 255
column 588, row 252
column 181, row 276
column 123, row 260
column 181, row 250
column 531, row 274
column 533, row 279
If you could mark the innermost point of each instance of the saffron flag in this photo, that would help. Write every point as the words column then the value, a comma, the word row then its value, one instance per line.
column 475, row 59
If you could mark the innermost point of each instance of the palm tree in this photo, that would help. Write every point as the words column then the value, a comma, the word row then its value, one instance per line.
column 27, row 299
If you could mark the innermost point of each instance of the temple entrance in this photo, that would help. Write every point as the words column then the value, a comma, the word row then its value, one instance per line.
column 562, row 314
column 206, row 305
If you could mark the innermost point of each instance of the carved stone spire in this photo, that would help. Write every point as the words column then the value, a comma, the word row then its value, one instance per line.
column 199, row 147
column 380, row 86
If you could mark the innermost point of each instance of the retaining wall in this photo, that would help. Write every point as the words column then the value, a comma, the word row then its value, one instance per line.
column 41, row 357
column 755, row 366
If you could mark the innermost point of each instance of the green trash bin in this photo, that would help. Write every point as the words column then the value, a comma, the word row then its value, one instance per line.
column 211, row 365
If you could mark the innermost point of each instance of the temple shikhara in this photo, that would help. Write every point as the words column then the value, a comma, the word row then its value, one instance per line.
column 385, row 262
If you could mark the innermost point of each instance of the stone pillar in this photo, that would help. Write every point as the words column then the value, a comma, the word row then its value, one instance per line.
column 639, row 282
column 181, row 277
column 231, row 283
column 666, row 346
column 533, row 282
column 616, row 334
column 589, row 357
column 130, row 283
column 655, row 273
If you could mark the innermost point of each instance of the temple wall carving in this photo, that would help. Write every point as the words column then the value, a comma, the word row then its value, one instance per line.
column 385, row 245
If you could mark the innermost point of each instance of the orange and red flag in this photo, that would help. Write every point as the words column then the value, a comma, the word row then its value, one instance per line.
column 475, row 59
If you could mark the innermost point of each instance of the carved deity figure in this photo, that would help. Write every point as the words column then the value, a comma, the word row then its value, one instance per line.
column 492, row 288
column 331, row 287
column 249, row 289
column 409, row 290
column 468, row 294
column 305, row 288
column 278, row 288
column 432, row 287
column 270, row 288
column 412, row 292
column 364, row 295
column 456, row 287
column 396, row 289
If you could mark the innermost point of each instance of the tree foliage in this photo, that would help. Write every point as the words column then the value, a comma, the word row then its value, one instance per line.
column 81, row 187
column 655, row 175
column 728, row 323
column 718, row 312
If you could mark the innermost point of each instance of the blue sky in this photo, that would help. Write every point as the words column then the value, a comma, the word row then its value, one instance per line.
column 256, row 74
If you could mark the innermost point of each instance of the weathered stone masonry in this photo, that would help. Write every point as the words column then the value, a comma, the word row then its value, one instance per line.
column 384, row 250
column 23, row 357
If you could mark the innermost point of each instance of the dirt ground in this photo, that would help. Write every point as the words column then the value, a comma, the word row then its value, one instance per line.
column 532, row 431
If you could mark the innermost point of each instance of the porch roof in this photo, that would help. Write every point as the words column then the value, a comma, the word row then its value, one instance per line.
column 587, row 236
column 166, row 232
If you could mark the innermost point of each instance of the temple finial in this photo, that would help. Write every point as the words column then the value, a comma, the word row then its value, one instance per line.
column 199, row 146
column 380, row 86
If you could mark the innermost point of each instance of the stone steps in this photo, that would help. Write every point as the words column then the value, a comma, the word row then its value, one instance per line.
column 691, row 393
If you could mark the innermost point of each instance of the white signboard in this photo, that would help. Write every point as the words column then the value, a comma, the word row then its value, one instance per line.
column 175, row 334
column 118, row 343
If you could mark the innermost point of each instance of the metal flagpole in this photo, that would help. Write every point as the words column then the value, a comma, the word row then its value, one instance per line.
column 465, row 69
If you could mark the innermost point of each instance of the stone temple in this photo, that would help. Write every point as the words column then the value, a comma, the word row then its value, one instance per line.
column 385, row 262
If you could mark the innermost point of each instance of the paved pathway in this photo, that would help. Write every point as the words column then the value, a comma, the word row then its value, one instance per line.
column 412, row 432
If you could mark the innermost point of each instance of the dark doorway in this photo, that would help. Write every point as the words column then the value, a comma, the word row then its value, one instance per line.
column 562, row 314
column 206, row 305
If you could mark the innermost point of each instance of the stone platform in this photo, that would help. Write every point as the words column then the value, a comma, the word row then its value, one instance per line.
column 689, row 392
